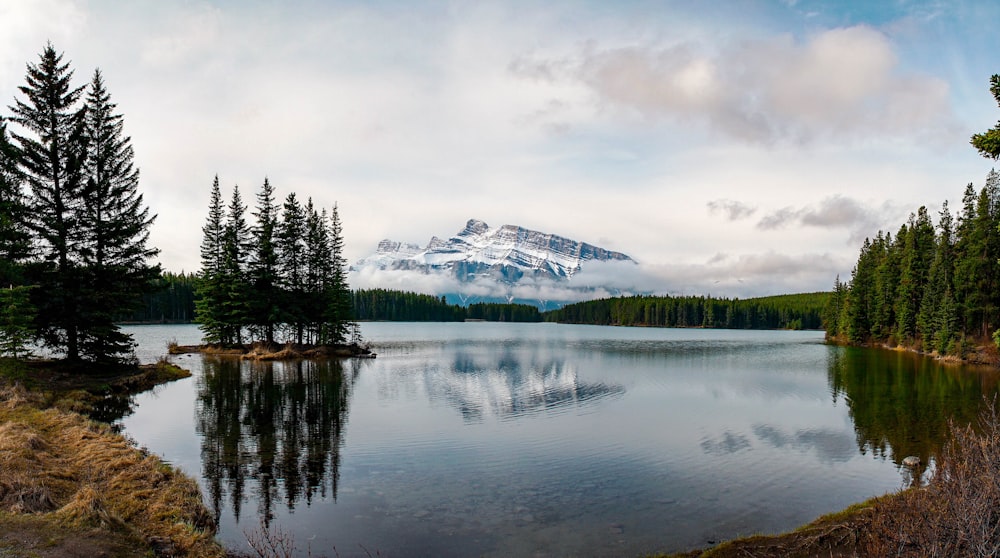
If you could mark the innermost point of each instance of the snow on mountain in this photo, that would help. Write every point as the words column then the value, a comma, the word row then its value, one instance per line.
column 508, row 254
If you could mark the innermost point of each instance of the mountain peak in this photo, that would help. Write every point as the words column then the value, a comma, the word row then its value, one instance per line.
column 508, row 255
column 474, row 227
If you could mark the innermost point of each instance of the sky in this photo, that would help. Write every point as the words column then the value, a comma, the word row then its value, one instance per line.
column 733, row 148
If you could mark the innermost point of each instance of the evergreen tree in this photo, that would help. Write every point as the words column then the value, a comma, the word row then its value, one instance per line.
column 114, row 231
column 860, row 298
column 208, row 308
column 980, row 261
column 339, row 293
column 16, row 315
column 235, row 307
column 988, row 143
column 14, row 239
column 888, row 253
column 918, row 252
column 291, row 263
column 52, row 164
column 967, row 261
column 317, row 270
column 265, row 306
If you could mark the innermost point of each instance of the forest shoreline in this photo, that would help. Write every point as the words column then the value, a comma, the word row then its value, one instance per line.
column 979, row 353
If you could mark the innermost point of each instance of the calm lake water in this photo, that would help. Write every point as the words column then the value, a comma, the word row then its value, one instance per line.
column 493, row 439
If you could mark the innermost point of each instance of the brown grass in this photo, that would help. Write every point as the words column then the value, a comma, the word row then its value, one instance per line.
column 958, row 512
column 79, row 474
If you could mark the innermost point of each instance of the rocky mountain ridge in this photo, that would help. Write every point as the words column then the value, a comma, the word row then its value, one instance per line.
column 508, row 254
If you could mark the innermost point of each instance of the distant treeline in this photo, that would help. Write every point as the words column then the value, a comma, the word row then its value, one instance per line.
column 171, row 300
column 796, row 311
column 399, row 306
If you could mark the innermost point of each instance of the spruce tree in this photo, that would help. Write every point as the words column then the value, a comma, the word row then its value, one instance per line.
column 210, row 287
column 265, row 305
column 933, row 321
column 988, row 142
column 967, row 259
column 918, row 252
column 14, row 239
column 339, row 309
column 860, row 296
column 114, row 231
column 887, row 252
column 52, row 156
column 291, row 265
column 234, row 288
column 317, row 270
column 16, row 314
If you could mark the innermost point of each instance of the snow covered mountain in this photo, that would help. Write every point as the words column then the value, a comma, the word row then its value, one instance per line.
column 508, row 254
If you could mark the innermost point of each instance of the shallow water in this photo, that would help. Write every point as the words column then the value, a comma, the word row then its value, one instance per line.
column 543, row 439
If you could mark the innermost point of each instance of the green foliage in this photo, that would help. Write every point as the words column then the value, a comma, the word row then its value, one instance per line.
column 799, row 311
column 208, row 308
column 492, row 312
column 399, row 306
column 170, row 300
column 16, row 317
column 283, row 279
column 988, row 142
column 933, row 288
column 69, row 189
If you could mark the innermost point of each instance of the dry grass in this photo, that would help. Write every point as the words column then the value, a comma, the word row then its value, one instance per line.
column 79, row 474
column 958, row 512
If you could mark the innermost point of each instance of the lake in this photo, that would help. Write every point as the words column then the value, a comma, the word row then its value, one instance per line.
column 500, row 439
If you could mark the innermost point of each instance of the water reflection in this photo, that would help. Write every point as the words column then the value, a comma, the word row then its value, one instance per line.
column 901, row 403
column 272, row 431
column 507, row 386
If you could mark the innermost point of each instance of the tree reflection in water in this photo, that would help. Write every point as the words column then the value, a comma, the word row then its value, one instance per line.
column 272, row 428
column 901, row 402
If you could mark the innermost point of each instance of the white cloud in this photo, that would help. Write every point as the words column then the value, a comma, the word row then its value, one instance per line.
column 732, row 209
column 841, row 84
column 835, row 212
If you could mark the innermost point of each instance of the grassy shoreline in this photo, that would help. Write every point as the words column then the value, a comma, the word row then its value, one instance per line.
column 70, row 486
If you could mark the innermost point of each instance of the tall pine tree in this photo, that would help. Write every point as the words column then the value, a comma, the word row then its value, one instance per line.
column 339, row 298
column 52, row 157
column 233, row 275
column 14, row 239
column 114, row 231
column 265, row 306
column 208, row 308
column 291, row 265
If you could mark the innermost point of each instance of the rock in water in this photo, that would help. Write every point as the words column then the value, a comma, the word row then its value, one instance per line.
column 911, row 461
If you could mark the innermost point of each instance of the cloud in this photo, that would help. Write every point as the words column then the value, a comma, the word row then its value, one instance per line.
column 742, row 276
column 843, row 83
column 832, row 445
column 733, row 210
column 834, row 212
